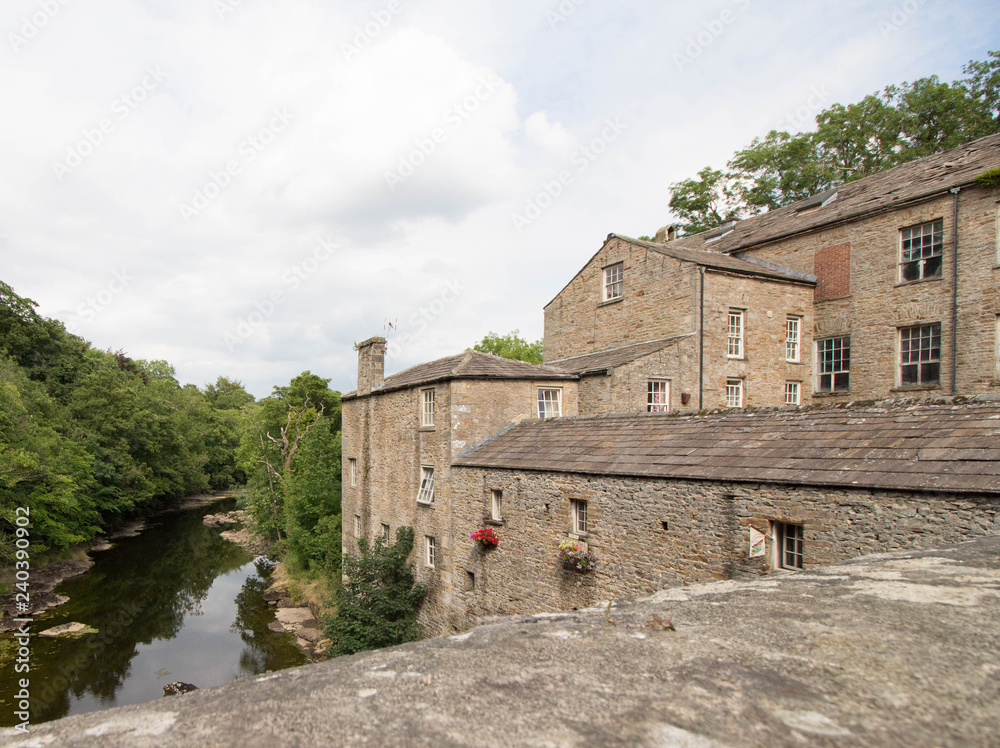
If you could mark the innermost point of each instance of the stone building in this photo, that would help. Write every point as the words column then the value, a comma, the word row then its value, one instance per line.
column 883, row 289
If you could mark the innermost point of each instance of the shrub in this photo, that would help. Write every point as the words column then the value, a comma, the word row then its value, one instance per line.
column 377, row 606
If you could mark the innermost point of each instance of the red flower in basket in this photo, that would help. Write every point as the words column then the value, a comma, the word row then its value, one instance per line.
column 486, row 537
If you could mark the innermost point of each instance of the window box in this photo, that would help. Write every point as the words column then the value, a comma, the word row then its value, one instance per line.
column 576, row 557
column 486, row 538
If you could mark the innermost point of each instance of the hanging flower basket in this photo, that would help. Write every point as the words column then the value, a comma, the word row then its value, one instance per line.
column 486, row 538
column 575, row 558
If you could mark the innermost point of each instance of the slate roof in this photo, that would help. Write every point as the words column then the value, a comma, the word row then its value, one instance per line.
column 887, row 190
column 467, row 365
column 612, row 357
column 920, row 448
column 711, row 259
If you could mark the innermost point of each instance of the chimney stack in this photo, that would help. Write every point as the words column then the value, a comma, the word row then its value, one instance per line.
column 371, row 364
column 666, row 234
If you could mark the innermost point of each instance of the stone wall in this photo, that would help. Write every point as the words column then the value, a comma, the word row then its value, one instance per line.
column 648, row 534
column 878, row 304
column 763, row 368
column 658, row 301
column 383, row 433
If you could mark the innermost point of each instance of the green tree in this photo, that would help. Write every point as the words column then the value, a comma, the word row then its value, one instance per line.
column 777, row 170
column 377, row 606
column 705, row 202
column 511, row 345
column 887, row 128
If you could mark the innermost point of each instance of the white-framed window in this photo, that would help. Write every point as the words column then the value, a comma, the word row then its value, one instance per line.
column 578, row 512
column 793, row 339
column 921, row 251
column 734, row 393
column 427, row 408
column 426, row 493
column 793, row 393
column 386, row 536
column 357, row 525
column 352, row 470
column 613, row 275
column 789, row 551
column 496, row 504
column 735, row 334
column 657, row 396
column 431, row 544
column 920, row 354
column 549, row 402
column 834, row 358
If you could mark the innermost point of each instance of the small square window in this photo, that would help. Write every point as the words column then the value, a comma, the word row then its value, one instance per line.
column 426, row 408
column 920, row 355
column 734, row 393
column 793, row 339
column 657, row 396
column 426, row 493
column 833, row 357
column 735, row 334
column 352, row 469
column 613, row 275
column 386, row 538
column 921, row 251
column 431, row 550
column 789, row 540
column 357, row 525
column 496, row 504
column 549, row 403
column 793, row 393
column 578, row 510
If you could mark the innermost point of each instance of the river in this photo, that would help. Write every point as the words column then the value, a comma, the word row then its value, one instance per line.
column 174, row 603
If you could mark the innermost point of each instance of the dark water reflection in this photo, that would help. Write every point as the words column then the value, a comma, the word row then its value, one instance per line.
column 174, row 603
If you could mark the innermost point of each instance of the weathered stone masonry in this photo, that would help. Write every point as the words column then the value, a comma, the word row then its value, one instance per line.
column 706, row 537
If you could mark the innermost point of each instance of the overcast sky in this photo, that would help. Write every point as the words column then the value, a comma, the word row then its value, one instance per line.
column 247, row 188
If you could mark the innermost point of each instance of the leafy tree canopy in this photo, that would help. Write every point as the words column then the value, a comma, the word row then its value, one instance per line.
column 898, row 124
column 511, row 345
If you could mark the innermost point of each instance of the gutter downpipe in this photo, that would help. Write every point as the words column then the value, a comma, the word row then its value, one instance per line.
column 701, row 341
column 954, row 295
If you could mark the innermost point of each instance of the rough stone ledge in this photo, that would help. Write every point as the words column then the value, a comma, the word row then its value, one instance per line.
column 899, row 649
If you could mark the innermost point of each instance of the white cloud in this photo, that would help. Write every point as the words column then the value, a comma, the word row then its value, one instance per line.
column 412, row 100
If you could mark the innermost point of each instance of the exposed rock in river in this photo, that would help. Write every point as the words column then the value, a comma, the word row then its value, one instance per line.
column 177, row 687
column 69, row 629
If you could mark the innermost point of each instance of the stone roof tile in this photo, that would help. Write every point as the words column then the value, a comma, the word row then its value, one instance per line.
column 900, row 447
column 886, row 190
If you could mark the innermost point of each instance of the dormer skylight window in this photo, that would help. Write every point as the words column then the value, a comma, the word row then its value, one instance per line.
column 817, row 201
column 721, row 231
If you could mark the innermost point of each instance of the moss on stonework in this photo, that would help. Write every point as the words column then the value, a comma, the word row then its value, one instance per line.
column 989, row 178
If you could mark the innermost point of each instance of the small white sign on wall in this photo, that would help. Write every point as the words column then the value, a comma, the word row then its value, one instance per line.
column 758, row 547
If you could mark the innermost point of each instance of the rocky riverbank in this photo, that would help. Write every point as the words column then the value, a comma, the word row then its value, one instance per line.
column 299, row 619
column 242, row 530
